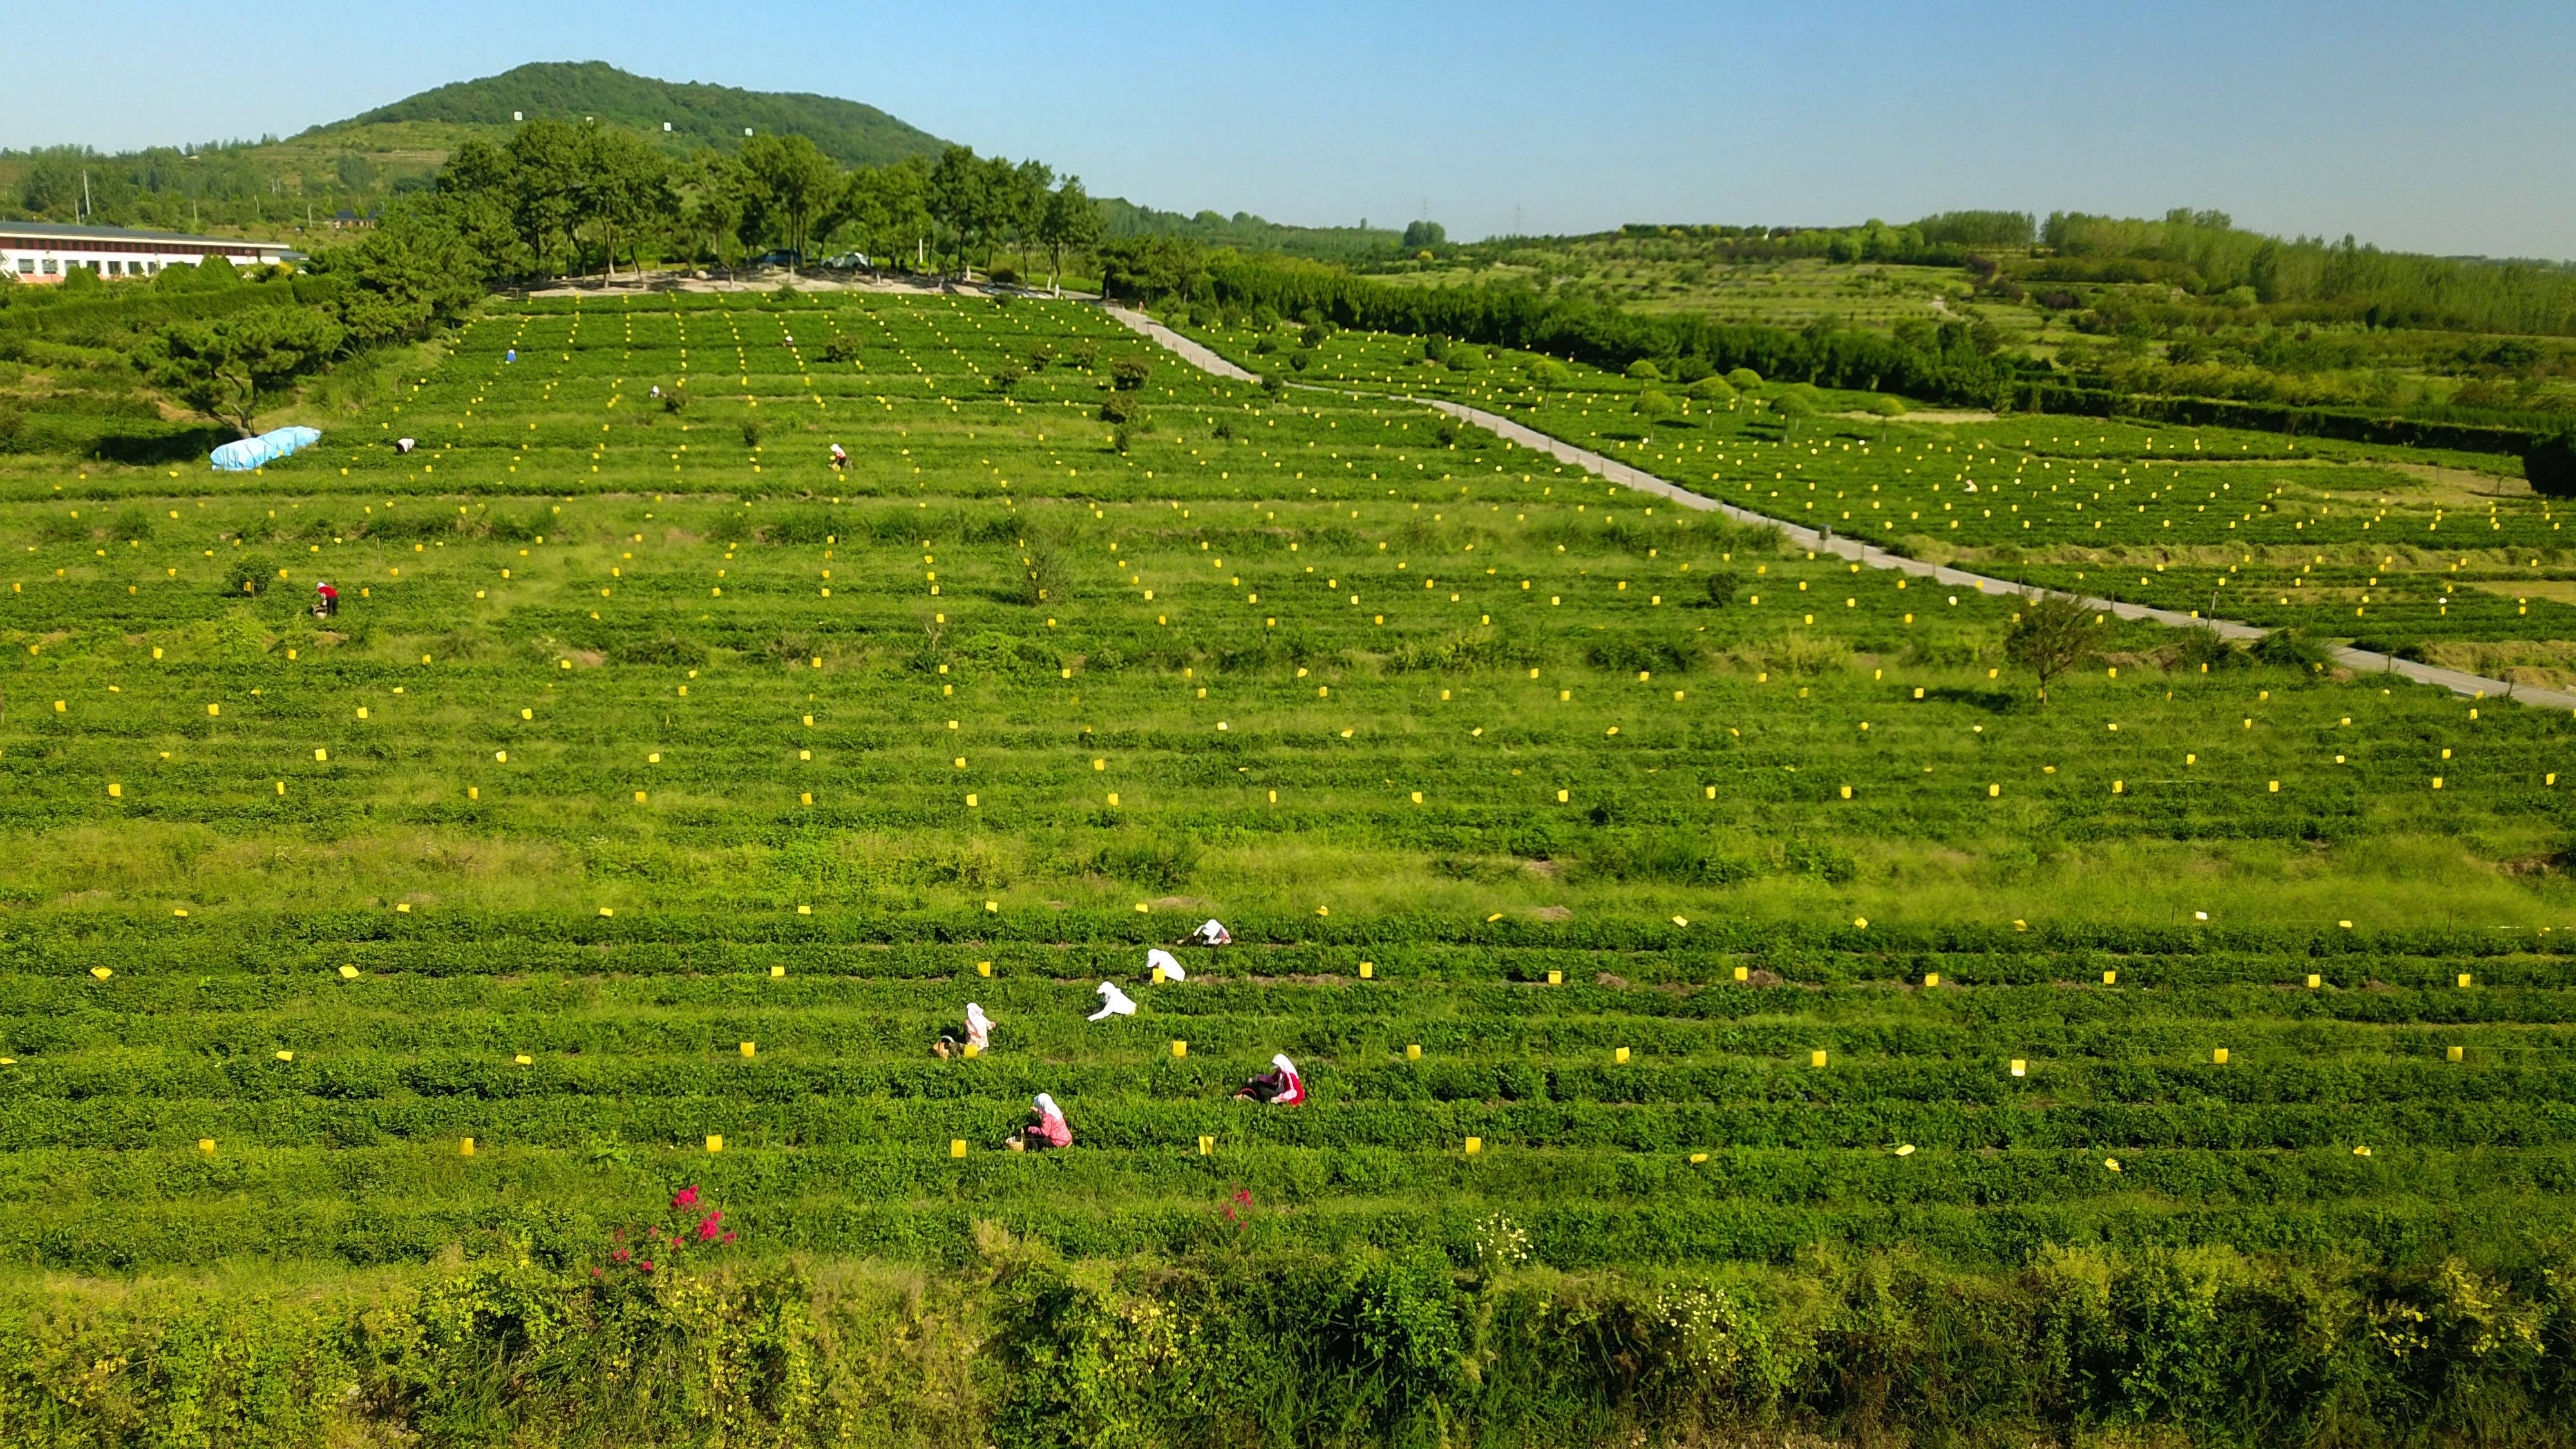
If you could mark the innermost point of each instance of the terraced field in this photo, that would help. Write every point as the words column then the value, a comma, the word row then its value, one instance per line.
column 1635, row 893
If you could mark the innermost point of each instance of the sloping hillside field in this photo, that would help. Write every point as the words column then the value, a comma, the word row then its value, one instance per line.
column 1637, row 897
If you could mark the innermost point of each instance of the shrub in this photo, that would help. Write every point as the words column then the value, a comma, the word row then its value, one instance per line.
column 1713, row 390
column 1745, row 379
column 1120, row 408
column 1548, row 372
column 841, row 349
column 1885, row 405
column 2549, row 462
column 1465, row 359
column 1643, row 370
column 2291, row 648
column 1162, row 861
column 1128, row 373
column 751, row 432
column 1654, row 404
column 2207, row 647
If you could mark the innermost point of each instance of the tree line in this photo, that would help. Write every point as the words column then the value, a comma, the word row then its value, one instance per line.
column 1943, row 362
column 561, row 198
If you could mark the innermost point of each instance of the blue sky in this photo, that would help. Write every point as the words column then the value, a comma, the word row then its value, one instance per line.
column 2441, row 128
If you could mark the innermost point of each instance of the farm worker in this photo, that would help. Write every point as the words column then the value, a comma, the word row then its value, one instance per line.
column 1049, row 1129
column 326, row 602
column 513, row 355
column 657, row 389
column 1209, row 934
column 1171, row 965
column 979, row 1033
column 404, row 445
column 1280, row 1086
column 840, row 459
column 1113, row 1002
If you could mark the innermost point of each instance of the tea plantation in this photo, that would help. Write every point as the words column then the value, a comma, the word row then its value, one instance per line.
column 1653, row 910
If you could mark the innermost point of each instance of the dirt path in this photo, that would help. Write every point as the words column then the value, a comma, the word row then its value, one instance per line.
column 2358, row 660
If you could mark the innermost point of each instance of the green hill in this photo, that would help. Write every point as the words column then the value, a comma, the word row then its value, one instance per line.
column 697, row 115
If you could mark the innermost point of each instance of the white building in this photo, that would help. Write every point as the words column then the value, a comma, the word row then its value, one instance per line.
column 43, row 251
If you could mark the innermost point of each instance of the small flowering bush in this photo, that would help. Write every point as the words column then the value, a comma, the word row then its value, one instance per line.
column 655, row 1246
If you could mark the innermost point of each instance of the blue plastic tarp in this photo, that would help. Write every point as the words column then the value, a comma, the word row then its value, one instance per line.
column 249, row 453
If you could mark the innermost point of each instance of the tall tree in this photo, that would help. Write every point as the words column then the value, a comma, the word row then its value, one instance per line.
column 788, row 189
column 956, row 196
column 625, row 187
column 887, row 207
column 1070, row 221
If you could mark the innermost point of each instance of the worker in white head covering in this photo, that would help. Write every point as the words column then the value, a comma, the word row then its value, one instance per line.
column 979, row 1034
column 1169, row 964
column 1049, row 1129
column 1211, row 933
column 1113, row 1002
column 1280, row 1086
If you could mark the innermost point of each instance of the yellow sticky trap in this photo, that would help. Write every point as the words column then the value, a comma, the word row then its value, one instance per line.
column 608, row 910
column 973, row 1051
column 750, row 1049
column 1815, row 1059
column 348, row 973
column 1207, row 1147
column 956, row 1146
column 1556, row 978
column 286, row 1056
column 1180, row 1048
column 777, row 971
column 2456, row 1053
column 715, row 1142
column 115, row 792
column 1697, row 1158
column 1368, row 970
column 1475, row 1145
column 214, row 709
column 1743, row 973
column 2218, row 1057
column 2315, row 981
column 320, row 756
column 473, row 792
column 1562, row 796
column 1413, row 1051
column 1158, row 975
column 465, row 1147
column 2464, row 981
column 102, row 972
column 1931, row 978
column 1619, row 1054
column 523, row 1060
column 205, row 1144
column 985, row 968
column 2020, row 1068
column 2110, row 978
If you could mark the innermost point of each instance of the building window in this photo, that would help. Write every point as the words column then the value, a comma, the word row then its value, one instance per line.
column 26, row 266
column 53, row 268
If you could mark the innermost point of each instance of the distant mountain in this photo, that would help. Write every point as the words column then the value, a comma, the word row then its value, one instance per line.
column 698, row 115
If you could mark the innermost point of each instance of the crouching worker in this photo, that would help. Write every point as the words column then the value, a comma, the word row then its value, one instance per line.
column 1049, row 1130
column 1280, row 1086
column 326, row 601
column 1210, row 933
column 840, row 458
column 978, row 1037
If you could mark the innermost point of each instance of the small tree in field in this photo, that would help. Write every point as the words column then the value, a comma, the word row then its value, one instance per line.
column 224, row 368
column 2051, row 636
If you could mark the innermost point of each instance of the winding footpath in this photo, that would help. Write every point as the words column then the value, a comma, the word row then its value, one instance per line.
column 2359, row 660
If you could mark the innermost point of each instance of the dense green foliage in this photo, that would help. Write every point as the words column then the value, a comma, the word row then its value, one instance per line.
column 1386, row 1346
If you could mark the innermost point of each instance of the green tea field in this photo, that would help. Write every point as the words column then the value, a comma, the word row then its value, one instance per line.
column 1637, row 895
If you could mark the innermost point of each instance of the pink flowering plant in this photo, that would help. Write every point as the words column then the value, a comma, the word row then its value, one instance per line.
column 688, row 1228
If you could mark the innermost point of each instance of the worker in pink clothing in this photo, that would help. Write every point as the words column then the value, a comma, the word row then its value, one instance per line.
column 1279, row 1087
column 1048, row 1131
